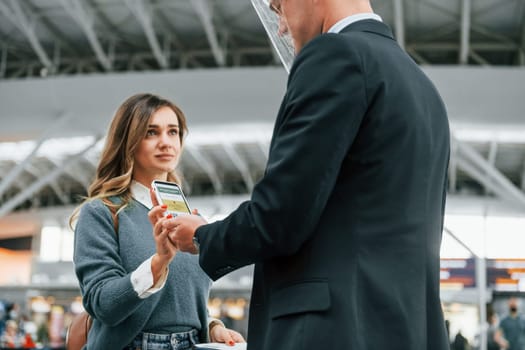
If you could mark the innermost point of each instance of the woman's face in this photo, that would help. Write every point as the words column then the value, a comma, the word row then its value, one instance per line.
column 158, row 153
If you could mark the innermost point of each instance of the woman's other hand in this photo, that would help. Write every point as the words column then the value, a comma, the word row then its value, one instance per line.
column 221, row 334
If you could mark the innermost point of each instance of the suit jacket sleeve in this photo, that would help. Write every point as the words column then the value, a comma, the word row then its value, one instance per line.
column 318, row 120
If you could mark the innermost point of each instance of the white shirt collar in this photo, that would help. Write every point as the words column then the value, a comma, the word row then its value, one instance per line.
column 141, row 194
column 336, row 28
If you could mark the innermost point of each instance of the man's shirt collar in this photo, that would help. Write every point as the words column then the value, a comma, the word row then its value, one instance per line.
column 336, row 28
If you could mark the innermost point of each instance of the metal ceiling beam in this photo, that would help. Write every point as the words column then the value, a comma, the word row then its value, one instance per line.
column 451, row 28
column 466, row 12
column 86, row 21
column 491, row 158
column 523, row 178
column 476, row 57
column 467, row 5
column 265, row 149
column 436, row 33
column 399, row 21
column 434, row 6
column 173, row 35
column 419, row 59
column 480, row 169
column 143, row 15
column 459, row 241
column 237, row 59
column 80, row 174
column 13, row 174
column 206, row 165
column 497, row 5
column 190, row 55
column 491, row 7
column 493, row 152
column 3, row 62
column 60, row 39
column 56, row 55
column 240, row 165
column 53, row 184
column 205, row 13
column 473, row 27
column 19, row 18
column 448, row 46
column 107, row 25
column 490, row 34
column 5, row 166
column 20, row 182
column 18, row 73
column 59, row 192
column 503, row 192
column 51, row 176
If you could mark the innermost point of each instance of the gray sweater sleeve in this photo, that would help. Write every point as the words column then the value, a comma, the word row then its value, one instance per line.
column 106, row 287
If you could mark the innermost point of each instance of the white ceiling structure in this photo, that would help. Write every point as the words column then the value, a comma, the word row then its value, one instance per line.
column 65, row 66
column 76, row 37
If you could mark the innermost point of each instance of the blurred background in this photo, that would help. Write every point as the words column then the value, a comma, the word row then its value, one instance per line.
column 65, row 66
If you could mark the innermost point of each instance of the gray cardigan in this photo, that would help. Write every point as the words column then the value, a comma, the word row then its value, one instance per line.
column 104, row 262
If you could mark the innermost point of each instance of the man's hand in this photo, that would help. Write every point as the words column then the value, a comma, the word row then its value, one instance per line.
column 182, row 229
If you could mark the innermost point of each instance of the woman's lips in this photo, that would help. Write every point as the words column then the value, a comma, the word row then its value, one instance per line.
column 165, row 156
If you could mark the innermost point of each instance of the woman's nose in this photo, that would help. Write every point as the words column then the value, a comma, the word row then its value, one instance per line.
column 165, row 140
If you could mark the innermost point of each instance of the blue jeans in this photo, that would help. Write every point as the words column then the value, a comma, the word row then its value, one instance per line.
column 173, row 341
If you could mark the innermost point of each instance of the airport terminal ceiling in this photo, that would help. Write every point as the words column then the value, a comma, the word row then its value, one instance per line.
column 66, row 64
column 71, row 37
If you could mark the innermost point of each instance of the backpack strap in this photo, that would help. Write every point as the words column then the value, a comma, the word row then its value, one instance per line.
column 76, row 336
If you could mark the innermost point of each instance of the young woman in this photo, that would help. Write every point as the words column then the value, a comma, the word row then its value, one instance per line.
column 141, row 292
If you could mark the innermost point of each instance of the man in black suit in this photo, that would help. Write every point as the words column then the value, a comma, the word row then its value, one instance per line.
column 345, row 226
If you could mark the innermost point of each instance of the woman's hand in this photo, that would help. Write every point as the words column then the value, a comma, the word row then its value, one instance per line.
column 221, row 334
column 165, row 249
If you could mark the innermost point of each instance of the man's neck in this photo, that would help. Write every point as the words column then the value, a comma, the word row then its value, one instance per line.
column 337, row 10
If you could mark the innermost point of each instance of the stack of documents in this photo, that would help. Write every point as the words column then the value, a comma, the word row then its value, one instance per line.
column 220, row 346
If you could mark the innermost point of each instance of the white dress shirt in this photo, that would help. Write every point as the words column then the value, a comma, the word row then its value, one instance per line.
column 336, row 28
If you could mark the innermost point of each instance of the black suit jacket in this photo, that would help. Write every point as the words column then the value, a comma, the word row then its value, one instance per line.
column 345, row 226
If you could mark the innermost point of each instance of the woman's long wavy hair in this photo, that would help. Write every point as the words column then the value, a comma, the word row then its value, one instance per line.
column 115, row 168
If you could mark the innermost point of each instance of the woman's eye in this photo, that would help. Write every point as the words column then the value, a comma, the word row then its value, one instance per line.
column 151, row 133
column 174, row 131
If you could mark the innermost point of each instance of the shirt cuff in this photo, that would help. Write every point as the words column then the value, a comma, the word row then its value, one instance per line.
column 142, row 280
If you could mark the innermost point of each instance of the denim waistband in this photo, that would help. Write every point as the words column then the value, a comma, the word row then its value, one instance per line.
column 172, row 341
